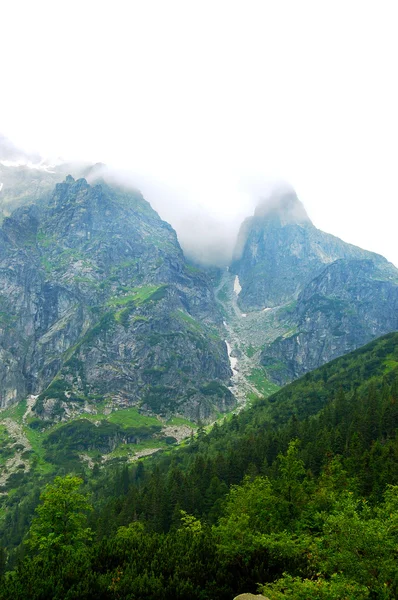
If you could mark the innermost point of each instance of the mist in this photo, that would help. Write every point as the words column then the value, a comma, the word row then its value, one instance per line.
column 206, row 232
column 9, row 152
column 207, row 229
column 209, row 205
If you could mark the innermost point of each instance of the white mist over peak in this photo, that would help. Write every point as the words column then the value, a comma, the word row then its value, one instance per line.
column 206, row 229
column 283, row 203
column 207, row 206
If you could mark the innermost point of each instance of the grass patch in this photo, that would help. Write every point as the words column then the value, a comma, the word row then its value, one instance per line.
column 15, row 412
column 35, row 439
column 93, row 417
column 130, row 449
column 259, row 379
column 188, row 319
column 181, row 421
column 251, row 351
column 390, row 365
column 131, row 417
column 140, row 295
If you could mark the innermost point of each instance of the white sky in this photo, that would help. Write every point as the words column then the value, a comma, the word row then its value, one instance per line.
column 202, row 97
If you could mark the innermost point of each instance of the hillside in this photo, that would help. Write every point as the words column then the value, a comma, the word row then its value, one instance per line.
column 318, row 457
column 100, row 312
column 98, row 302
column 296, row 297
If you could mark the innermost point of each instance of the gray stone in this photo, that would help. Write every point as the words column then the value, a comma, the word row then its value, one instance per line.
column 97, row 301
column 328, row 297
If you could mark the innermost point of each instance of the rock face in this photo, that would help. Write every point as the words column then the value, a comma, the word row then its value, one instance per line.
column 98, row 302
column 329, row 296
column 350, row 303
column 279, row 251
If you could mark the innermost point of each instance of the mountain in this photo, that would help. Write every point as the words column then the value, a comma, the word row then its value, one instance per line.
column 348, row 304
column 294, row 297
column 98, row 304
column 27, row 178
column 312, row 295
column 279, row 251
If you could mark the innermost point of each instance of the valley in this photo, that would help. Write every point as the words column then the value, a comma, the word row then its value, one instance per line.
column 198, row 301
column 177, row 395
column 246, row 334
column 120, row 333
column 27, row 436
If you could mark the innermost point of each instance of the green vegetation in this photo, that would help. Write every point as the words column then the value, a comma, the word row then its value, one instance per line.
column 64, row 444
column 58, row 260
column 262, row 384
column 35, row 438
column 5, row 445
column 192, row 270
column 215, row 388
column 191, row 322
column 140, row 295
column 59, row 525
column 131, row 417
column 15, row 412
column 6, row 319
column 222, row 294
column 298, row 494
column 251, row 351
column 312, row 392
column 181, row 421
column 44, row 240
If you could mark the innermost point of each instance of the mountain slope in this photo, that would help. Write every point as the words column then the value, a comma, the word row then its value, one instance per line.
column 98, row 302
column 279, row 251
column 306, row 296
column 302, row 486
column 348, row 304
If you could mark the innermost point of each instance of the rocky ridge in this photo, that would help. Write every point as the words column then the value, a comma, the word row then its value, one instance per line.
column 349, row 304
column 98, row 301
column 279, row 251
column 325, row 297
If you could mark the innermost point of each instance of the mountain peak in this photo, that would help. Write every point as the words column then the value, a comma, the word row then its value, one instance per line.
column 283, row 204
column 279, row 251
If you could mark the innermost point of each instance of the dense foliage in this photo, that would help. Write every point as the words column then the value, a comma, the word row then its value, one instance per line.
column 299, row 493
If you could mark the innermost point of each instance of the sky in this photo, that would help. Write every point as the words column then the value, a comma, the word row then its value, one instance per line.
column 205, row 103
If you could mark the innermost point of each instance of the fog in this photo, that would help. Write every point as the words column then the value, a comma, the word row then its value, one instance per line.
column 206, row 232
column 10, row 153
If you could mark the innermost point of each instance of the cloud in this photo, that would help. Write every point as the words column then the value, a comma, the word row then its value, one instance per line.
column 206, row 235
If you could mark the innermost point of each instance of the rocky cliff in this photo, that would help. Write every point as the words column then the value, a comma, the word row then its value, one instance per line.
column 350, row 303
column 98, row 303
column 327, row 296
column 279, row 251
